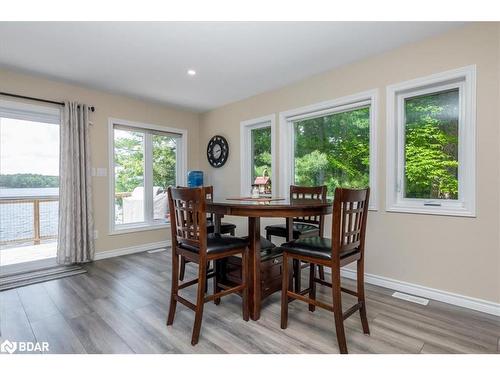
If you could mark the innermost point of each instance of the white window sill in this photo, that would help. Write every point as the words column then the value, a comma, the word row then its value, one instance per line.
column 132, row 228
column 442, row 211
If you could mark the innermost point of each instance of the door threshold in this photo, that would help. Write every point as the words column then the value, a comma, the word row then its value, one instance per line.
column 23, row 278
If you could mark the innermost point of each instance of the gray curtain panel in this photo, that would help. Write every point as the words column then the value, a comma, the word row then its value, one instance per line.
column 76, row 224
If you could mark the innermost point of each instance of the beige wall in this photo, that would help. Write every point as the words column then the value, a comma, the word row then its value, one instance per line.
column 116, row 106
column 460, row 255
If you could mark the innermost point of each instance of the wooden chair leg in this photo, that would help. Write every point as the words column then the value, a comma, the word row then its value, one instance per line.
column 174, row 288
column 202, row 277
column 297, row 274
column 361, row 296
column 337, row 310
column 245, row 281
column 284, row 289
column 321, row 271
column 268, row 236
column 312, row 285
column 216, row 281
column 183, row 268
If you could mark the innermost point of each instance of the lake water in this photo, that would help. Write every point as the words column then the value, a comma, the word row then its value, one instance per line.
column 16, row 219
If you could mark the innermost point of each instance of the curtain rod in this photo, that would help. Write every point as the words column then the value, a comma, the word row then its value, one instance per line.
column 91, row 108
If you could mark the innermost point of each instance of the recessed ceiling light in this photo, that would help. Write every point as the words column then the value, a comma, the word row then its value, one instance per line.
column 191, row 72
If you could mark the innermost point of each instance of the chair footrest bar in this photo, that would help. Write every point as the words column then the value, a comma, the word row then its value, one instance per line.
column 305, row 291
column 322, row 282
column 188, row 283
column 352, row 310
column 224, row 286
column 348, row 291
column 224, row 293
column 310, row 301
column 185, row 302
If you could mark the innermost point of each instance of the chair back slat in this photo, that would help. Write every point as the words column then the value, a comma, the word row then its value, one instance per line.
column 315, row 193
column 350, row 209
column 188, row 217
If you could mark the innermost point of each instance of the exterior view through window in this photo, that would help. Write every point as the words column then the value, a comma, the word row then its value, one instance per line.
column 145, row 165
column 431, row 146
column 333, row 150
column 29, row 188
column 261, row 152
column 129, row 176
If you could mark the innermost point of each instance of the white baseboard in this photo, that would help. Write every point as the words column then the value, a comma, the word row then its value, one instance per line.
column 130, row 250
column 472, row 303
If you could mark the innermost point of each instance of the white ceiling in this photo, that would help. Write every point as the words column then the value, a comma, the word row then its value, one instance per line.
column 233, row 60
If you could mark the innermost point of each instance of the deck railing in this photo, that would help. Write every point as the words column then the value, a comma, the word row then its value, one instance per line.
column 21, row 218
column 31, row 219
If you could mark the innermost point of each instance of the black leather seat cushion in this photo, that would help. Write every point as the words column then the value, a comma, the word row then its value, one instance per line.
column 224, row 227
column 317, row 247
column 265, row 244
column 217, row 243
column 298, row 229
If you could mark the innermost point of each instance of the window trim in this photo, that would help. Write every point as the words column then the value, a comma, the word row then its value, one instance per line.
column 246, row 128
column 343, row 104
column 181, row 154
column 465, row 80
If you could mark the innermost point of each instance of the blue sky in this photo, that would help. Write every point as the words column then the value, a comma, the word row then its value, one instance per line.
column 28, row 147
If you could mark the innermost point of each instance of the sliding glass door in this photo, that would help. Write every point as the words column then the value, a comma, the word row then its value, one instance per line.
column 29, row 183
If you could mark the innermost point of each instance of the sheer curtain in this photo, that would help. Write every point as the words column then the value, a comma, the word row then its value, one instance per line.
column 76, row 224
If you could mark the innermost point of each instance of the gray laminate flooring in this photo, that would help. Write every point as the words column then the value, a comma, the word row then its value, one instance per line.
column 120, row 306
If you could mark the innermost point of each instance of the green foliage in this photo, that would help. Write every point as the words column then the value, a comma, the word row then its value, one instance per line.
column 333, row 150
column 164, row 161
column 431, row 146
column 261, row 153
column 28, row 180
column 129, row 161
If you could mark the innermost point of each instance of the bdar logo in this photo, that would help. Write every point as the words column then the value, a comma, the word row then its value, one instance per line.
column 8, row 347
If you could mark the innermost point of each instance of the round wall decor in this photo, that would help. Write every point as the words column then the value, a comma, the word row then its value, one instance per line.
column 217, row 151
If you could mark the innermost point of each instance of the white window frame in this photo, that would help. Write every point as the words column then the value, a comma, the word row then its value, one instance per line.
column 344, row 104
column 465, row 80
column 246, row 128
column 181, row 155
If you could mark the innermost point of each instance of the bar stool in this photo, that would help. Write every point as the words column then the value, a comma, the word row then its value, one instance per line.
column 189, row 240
column 225, row 228
column 303, row 227
column 350, row 209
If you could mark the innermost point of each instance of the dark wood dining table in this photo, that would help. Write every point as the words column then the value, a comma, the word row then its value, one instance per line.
column 254, row 210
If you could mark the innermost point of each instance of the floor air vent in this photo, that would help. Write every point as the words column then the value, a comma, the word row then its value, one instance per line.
column 157, row 250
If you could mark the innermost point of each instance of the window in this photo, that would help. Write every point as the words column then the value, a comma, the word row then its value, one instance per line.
column 331, row 144
column 145, row 161
column 431, row 144
column 257, row 155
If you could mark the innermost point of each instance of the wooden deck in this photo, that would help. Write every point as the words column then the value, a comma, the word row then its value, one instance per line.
column 120, row 306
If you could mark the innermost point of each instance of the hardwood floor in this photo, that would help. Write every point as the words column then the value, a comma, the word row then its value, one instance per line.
column 120, row 306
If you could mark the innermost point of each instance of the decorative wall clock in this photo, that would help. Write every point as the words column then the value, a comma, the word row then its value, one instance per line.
column 217, row 151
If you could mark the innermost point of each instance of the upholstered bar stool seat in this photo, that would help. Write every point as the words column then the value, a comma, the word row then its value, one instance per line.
column 224, row 228
column 265, row 244
column 218, row 244
column 279, row 230
column 317, row 247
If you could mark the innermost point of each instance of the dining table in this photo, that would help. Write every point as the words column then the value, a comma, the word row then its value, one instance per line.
column 254, row 210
